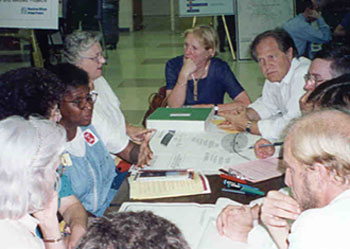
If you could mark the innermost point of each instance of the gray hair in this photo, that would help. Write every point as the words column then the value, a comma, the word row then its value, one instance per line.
column 133, row 230
column 78, row 42
column 29, row 156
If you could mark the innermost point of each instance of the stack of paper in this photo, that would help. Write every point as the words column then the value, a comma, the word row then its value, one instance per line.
column 151, row 189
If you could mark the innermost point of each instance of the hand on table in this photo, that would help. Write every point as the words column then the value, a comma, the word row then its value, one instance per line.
column 237, row 119
column 235, row 222
column 263, row 152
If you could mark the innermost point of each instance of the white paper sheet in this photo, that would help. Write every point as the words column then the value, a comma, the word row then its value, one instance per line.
column 258, row 170
column 205, row 151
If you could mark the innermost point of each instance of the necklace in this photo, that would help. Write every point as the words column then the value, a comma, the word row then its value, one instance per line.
column 195, row 82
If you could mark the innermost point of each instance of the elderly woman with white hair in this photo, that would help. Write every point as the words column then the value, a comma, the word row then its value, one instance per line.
column 83, row 49
column 29, row 156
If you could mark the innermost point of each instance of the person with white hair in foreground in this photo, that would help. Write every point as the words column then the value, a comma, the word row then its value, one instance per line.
column 29, row 156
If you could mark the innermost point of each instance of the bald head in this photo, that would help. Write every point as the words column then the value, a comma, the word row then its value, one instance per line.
column 322, row 137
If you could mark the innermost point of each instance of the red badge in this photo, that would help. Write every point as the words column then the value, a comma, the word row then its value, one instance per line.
column 90, row 137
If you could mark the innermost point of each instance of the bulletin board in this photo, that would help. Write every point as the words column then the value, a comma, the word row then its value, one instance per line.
column 31, row 14
column 256, row 16
column 189, row 8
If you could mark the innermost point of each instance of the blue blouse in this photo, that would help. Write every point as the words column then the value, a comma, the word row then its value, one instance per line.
column 212, row 89
column 94, row 177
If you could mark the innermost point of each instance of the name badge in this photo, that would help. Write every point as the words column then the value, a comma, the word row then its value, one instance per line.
column 90, row 137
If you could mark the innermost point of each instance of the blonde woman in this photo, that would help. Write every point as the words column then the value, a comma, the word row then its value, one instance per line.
column 198, row 78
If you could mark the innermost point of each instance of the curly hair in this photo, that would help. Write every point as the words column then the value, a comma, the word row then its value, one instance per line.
column 78, row 42
column 29, row 91
column 334, row 93
column 133, row 230
column 70, row 75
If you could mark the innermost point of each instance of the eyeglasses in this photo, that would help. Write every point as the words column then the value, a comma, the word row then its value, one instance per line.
column 96, row 58
column 81, row 102
column 312, row 78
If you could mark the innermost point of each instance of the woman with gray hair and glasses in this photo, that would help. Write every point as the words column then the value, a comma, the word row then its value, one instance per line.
column 83, row 49
column 29, row 157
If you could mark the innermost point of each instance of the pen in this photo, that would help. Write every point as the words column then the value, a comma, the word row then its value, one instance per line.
column 224, row 171
column 267, row 145
column 233, row 191
column 252, row 191
column 237, row 185
column 231, row 174
column 232, row 178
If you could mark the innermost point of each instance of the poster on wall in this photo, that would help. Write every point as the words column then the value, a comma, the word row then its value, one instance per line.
column 31, row 14
column 256, row 16
column 188, row 8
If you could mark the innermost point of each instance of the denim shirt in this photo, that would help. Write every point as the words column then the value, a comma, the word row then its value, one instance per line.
column 94, row 177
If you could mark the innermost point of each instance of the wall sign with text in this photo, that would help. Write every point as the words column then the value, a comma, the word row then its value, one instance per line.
column 189, row 8
column 34, row 14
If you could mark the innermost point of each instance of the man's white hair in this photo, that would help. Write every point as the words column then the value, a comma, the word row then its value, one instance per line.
column 29, row 156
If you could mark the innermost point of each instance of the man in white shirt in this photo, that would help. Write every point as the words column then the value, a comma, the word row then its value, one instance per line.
column 275, row 52
column 329, row 63
column 317, row 161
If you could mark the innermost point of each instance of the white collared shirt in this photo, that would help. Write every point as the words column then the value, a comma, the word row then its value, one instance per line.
column 279, row 102
column 323, row 228
column 108, row 119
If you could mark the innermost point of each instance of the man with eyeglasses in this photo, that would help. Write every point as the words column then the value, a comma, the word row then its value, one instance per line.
column 329, row 63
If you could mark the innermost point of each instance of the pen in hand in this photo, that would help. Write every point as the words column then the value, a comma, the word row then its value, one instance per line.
column 267, row 145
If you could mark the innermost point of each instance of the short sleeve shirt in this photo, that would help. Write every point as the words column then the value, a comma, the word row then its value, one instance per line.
column 212, row 89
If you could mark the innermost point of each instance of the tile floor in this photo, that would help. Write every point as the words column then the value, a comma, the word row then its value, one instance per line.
column 136, row 68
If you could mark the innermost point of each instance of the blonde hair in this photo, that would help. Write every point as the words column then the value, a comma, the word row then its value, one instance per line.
column 323, row 137
column 206, row 35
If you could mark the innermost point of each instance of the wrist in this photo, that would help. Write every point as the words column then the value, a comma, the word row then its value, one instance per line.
column 216, row 109
column 53, row 240
column 182, row 81
column 239, row 236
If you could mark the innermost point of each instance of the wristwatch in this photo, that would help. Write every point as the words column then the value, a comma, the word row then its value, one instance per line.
column 216, row 109
column 248, row 126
